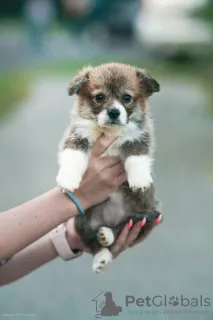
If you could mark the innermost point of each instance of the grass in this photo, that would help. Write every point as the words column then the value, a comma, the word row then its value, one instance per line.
column 11, row 26
column 192, row 70
column 179, row 66
column 200, row 71
column 67, row 67
column 14, row 88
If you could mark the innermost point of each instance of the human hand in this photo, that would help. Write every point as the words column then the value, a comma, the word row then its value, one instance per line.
column 127, row 238
column 103, row 176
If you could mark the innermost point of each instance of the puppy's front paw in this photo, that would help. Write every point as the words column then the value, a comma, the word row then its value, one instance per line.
column 105, row 236
column 138, row 169
column 73, row 164
column 140, row 179
column 69, row 181
column 101, row 260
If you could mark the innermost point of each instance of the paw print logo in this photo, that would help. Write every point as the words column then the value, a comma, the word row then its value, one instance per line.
column 173, row 301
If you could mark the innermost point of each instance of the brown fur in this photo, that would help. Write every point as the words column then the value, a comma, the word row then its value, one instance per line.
column 114, row 80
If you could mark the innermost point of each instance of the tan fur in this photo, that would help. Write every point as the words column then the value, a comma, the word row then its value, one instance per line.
column 135, row 139
column 100, row 80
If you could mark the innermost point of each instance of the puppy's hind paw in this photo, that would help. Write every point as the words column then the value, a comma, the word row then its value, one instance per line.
column 101, row 260
column 105, row 236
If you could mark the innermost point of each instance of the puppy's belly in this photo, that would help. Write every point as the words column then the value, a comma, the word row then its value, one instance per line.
column 111, row 212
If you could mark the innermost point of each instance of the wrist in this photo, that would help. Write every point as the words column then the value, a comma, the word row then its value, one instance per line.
column 68, row 207
column 64, row 247
column 72, row 236
column 82, row 198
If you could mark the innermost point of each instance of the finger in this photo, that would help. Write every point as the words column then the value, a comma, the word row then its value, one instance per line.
column 143, row 236
column 115, row 171
column 119, row 244
column 133, row 234
column 121, row 178
column 108, row 162
column 101, row 145
column 111, row 175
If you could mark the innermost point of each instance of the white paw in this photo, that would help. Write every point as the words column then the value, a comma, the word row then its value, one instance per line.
column 72, row 164
column 140, row 180
column 101, row 260
column 138, row 169
column 105, row 236
column 68, row 180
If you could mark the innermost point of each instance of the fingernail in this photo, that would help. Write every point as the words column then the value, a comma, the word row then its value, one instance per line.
column 130, row 224
column 143, row 222
column 158, row 219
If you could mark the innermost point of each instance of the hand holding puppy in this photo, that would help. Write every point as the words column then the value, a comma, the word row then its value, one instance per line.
column 103, row 176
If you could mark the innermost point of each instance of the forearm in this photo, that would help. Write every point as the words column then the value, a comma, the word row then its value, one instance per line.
column 27, row 260
column 23, row 225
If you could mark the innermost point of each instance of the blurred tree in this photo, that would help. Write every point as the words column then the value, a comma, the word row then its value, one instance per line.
column 206, row 11
column 11, row 8
column 14, row 8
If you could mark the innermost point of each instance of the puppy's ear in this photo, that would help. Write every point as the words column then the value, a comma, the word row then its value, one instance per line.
column 78, row 81
column 148, row 84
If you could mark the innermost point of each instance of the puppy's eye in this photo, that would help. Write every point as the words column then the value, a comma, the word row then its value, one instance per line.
column 126, row 98
column 100, row 97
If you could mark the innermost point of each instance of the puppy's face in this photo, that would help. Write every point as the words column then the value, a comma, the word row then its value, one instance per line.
column 112, row 93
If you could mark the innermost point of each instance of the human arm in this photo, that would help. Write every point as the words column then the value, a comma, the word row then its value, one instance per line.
column 42, row 251
column 30, row 258
column 24, row 224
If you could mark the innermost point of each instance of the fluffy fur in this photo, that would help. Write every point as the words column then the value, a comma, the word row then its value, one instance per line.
column 111, row 99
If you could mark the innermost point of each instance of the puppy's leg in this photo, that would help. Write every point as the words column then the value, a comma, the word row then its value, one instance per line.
column 138, row 169
column 73, row 162
column 138, row 162
column 102, row 256
column 105, row 236
column 101, row 260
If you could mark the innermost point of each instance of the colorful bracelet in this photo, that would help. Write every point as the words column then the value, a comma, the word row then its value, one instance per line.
column 77, row 203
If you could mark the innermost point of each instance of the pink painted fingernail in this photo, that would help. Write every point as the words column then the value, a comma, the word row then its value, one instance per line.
column 158, row 219
column 143, row 222
column 130, row 224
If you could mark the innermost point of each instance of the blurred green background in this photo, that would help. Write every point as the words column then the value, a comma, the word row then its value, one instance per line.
column 42, row 45
column 28, row 43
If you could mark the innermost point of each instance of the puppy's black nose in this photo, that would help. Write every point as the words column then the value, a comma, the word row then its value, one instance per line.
column 113, row 113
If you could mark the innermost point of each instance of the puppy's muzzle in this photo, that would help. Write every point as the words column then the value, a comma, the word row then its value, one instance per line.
column 113, row 113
